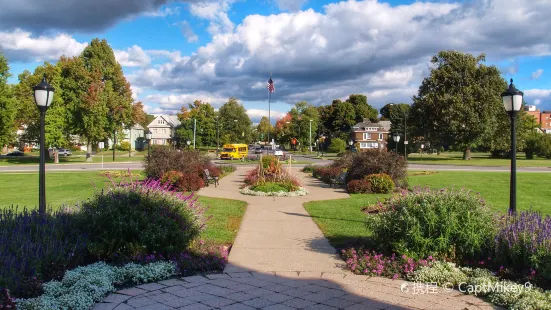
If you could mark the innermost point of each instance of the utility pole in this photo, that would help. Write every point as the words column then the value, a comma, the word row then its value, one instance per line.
column 194, row 131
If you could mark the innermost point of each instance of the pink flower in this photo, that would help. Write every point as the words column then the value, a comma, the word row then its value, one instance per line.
column 395, row 276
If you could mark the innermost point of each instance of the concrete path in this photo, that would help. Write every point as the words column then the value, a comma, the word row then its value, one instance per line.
column 277, row 234
column 281, row 261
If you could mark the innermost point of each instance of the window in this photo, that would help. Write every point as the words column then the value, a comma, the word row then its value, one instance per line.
column 369, row 145
column 380, row 136
column 161, row 122
column 371, row 128
column 367, row 136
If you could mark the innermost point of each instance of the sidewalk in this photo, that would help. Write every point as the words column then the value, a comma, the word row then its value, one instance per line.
column 281, row 261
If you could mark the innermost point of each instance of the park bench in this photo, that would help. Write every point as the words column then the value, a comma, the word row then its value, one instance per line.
column 210, row 179
column 339, row 180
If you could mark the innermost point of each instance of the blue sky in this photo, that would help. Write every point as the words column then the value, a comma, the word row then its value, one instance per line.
column 318, row 50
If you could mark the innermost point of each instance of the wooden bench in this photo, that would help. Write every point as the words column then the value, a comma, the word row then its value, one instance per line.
column 339, row 180
column 210, row 179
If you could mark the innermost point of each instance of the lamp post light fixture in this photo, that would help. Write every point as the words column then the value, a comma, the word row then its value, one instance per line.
column 512, row 101
column 148, row 138
column 188, row 143
column 422, row 147
column 396, row 138
column 43, row 97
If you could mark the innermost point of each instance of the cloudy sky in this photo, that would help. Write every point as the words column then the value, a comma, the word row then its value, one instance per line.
column 174, row 52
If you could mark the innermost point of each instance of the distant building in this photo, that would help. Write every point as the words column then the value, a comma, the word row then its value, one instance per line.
column 133, row 135
column 162, row 129
column 542, row 118
column 370, row 135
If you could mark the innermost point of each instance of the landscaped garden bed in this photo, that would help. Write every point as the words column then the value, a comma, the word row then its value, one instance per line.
column 130, row 233
column 271, row 178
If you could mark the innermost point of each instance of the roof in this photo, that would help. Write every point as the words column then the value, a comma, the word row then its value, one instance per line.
column 171, row 120
column 384, row 125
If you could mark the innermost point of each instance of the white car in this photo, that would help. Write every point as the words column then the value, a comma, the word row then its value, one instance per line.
column 278, row 152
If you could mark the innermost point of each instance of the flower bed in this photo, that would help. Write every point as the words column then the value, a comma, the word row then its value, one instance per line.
column 301, row 191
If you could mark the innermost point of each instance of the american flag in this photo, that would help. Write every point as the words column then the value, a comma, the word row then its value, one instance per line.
column 271, row 86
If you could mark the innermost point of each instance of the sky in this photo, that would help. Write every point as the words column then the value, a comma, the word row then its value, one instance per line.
column 175, row 52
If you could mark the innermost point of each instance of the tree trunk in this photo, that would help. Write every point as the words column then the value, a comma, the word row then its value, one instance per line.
column 89, row 151
column 467, row 153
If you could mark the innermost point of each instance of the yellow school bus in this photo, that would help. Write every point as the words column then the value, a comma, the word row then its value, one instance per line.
column 234, row 151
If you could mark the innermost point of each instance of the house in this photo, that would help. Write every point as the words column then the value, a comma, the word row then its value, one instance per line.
column 542, row 118
column 133, row 135
column 162, row 129
column 370, row 135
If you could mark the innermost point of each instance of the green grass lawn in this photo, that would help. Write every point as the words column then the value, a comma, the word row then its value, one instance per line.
column 342, row 221
column 107, row 158
column 478, row 159
column 21, row 189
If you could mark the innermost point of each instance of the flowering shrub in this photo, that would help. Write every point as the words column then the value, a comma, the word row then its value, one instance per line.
column 36, row 248
column 119, row 173
column 164, row 159
column 301, row 191
column 524, row 241
column 82, row 287
column 6, row 301
column 440, row 273
column 271, row 179
column 190, row 182
column 326, row 173
column 131, row 219
column 171, row 177
column 371, row 263
column 380, row 183
column 446, row 223
column 362, row 186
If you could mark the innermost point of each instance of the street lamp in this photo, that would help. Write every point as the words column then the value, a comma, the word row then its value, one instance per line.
column 43, row 96
column 422, row 147
column 217, row 137
column 396, row 138
column 512, row 101
column 350, row 143
column 148, row 138
column 405, row 117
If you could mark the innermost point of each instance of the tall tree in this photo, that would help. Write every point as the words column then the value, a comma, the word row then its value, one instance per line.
column 362, row 109
column 205, row 115
column 344, row 117
column 264, row 127
column 301, row 114
column 459, row 103
column 99, row 58
column 395, row 113
column 7, row 105
column 235, row 124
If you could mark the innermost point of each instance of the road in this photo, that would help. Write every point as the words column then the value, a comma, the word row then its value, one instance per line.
column 138, row 166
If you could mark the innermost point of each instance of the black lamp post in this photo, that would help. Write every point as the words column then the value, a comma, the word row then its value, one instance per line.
column 512, row 101
column 148, row 138
column 396, row 138
column 217, row 137
column 43, row 96
column 350, row 143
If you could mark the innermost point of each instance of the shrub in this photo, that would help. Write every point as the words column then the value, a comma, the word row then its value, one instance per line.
column 369, row 162
column 359, row 186
column 164, row 159
column 440, row 273
column 269, row 187
column 308, row 168
column 337, row 146
column 36, row 248
column 124, row 146
column 253, row 176
column 446, row 223
column 344, row 161
column 171, row 177
column 132, row 219
column 120, row 173
column 380, row 183
column 190, row 182
column 524, row 241
column 227, row 169
column 371, row 263
column 6, row 301
column 327, row 173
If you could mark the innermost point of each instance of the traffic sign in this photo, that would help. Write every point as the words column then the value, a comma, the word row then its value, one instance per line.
column 102, row 145
column 405, row 142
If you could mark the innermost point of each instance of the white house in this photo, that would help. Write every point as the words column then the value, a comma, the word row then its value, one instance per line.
column 162, row 129
column 133, row 134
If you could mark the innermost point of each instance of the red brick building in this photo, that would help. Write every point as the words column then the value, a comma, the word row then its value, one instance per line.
column 369, row 135
column 542, row 118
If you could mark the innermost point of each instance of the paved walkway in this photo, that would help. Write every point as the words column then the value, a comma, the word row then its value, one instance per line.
column 281, row 260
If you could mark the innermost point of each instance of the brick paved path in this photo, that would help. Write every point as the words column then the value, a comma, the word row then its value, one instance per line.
column 281, row 260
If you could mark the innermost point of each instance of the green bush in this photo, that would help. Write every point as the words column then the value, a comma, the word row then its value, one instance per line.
column 369, row 162
column 447, row 224
column 544, row 149
column 164, row 158
column 269, row 187
column 308, row 168
column 380, row 183
column 337, row 146
column 171, row 177
column 124, row 146
column 139, row 219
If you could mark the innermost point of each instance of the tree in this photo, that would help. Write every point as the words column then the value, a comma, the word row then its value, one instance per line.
column 264, row 127
column 301, row 114
column 99, row 59
column 362, row 109
column 343, row 117
column 235, row 124
column 395, row 113
column 205, row 115
column 7, row 105
column 459, row 103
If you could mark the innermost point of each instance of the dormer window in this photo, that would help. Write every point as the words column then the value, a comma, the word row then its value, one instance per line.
column 370, row 128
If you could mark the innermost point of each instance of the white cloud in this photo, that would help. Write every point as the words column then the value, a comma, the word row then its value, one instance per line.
column 216, row 13
column 537, row 101
column 537, row 93
column 134, row 56
column 136, row 91
column 365, row 47
column 257, row 114
column 21, row 46
column 172, row 103
column 163, row 12
column 187, row 31
column 537, row 74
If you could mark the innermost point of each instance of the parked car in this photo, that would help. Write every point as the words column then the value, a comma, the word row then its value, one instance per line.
column 258, row 150
column 64, row 152
column 278, row 152
column 16, row 153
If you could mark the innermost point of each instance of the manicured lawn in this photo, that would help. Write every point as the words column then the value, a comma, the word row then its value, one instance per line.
column 342, row 221
column 478, row 159
column 107, row 158
column 68, row 188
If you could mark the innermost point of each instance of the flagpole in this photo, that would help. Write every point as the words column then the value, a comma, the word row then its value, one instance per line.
column 269, row 117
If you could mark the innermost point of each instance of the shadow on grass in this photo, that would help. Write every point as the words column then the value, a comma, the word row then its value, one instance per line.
column 322, row 217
